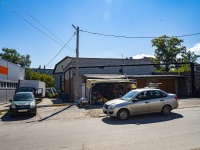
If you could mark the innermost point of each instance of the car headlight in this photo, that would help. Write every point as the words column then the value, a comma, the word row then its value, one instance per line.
column 13, row 105
column 32, row 104
column 111, row 106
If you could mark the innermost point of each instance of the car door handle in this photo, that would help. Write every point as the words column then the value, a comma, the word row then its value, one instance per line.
column 146, row 102
column 161, row 100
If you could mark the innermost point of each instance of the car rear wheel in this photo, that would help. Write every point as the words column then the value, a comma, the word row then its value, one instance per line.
column 166, row 110
column 123, row 114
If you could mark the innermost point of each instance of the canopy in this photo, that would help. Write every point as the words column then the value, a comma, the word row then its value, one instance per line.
column 91, row 82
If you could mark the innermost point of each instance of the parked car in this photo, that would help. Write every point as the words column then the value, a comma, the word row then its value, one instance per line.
column 23, row 103
column 141, row 101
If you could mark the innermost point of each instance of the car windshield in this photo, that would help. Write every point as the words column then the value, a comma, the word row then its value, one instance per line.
column 129, row 95
column 23, row 97
column 27, row 90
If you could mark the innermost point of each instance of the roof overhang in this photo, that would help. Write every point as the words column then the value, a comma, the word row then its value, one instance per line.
column 91, row 82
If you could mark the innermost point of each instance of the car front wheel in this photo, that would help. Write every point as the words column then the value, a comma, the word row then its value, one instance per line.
column 123, row 114
column 166, row 110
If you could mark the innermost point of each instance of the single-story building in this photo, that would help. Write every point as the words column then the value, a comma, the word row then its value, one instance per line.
column 9, row 75
column 139, row 70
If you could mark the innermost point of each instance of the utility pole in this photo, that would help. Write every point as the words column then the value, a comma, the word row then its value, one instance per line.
column 77, row 65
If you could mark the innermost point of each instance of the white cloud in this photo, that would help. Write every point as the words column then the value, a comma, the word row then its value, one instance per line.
column 140, row 56
column 196, row 49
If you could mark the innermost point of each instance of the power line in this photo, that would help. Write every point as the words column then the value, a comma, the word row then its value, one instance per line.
column 37, row 21
column 187, row 35
column 131, row 37
column 69, row 48
column 118, row 36
column 29, row 22
column 61, row 49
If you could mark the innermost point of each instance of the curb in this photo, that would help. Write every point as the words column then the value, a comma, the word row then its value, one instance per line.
column 188, row 106
column 53, row 105
column 103, row 115
column 58, row 105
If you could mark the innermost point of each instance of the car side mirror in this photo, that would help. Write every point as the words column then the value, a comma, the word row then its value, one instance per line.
column 135, row 100
column 10, row 100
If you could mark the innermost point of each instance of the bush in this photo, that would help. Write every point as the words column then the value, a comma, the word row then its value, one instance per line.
column 55, row 95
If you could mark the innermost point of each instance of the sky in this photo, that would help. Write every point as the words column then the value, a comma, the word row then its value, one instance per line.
column 42, row 28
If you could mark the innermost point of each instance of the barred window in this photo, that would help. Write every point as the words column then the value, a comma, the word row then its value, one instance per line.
column 4, row 84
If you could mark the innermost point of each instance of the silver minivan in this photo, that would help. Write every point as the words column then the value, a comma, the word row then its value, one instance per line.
column 141, row 101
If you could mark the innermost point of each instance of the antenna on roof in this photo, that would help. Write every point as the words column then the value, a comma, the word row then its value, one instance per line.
column 126, row 76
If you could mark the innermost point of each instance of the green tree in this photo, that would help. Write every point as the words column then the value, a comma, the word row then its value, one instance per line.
column 10, row 55
column 168, row 50
column 25, row 61
column 28, row 74
column 13, row 56
column 189, row 57
column 31, row 75
column 48, row 79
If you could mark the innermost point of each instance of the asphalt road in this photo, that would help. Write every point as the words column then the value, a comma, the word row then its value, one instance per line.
column 178, row 131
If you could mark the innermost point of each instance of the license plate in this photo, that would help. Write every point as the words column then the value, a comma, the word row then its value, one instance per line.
column 23, row 110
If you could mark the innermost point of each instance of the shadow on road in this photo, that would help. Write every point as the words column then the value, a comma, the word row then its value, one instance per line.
column 54, row 113
column 19, row 117
column 57, row 101
column 89, row 107
column 143, row 119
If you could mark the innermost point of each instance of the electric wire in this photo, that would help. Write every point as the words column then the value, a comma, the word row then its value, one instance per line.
column 131, row 37
column 37, row 21
column 69, row 48
column 61, row 49
column 29, row 22
column 188, row 35
column 101, row 34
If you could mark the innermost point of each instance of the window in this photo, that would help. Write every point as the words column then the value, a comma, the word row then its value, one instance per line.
column 157, row 94
column 4, row 84
column 143, row 95
column 8, row 84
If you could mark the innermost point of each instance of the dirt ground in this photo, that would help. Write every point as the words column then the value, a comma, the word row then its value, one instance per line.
column 189, row 102
column 182, row 104
column 97, row 112
column 74, row 112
